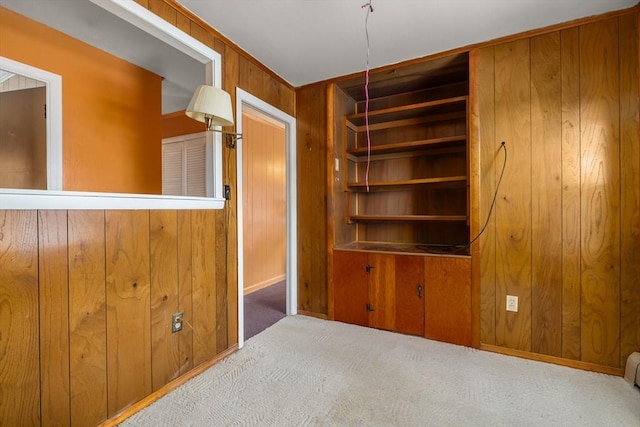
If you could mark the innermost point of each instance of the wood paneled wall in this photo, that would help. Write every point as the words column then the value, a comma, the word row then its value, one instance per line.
column 312, row 198
column 264, row 201
column 565, row 233
column 87, row 299
column 238, row 70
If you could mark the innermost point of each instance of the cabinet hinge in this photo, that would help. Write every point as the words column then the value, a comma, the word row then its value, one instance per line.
column 368, row 268
column 369, row 308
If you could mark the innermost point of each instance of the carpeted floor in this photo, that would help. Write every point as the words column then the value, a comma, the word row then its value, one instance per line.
column 309, row 372
column 263, row 308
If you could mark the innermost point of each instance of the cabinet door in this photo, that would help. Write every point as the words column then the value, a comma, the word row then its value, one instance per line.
column 448, row 299
column 350, row 287
column 410, row 290
column 382, row 297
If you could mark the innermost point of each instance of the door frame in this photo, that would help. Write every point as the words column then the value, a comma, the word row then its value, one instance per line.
column 245, row 99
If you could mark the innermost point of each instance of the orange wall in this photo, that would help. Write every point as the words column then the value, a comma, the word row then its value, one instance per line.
column 112, row 123
column 176, row 124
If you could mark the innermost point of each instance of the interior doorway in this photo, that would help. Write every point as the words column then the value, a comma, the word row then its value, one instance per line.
column 264, row 205
column 254, row 115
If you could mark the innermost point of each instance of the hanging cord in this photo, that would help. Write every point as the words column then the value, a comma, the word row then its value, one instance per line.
column 366, row 94
column 503, row 146
column 453, row 249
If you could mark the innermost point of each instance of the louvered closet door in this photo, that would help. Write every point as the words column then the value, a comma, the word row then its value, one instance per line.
column 184, row 167
column 172, row 169
column 195, row 172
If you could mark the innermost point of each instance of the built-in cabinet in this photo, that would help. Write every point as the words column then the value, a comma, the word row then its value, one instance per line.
column 400, row 196
column 420, row 295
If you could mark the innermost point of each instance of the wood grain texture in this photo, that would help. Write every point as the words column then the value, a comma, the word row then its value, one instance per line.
column 409, row 294
column 128, row 307
column 230, row 222
column 571, row 170
column 164, row 294
column 350, row 287
column 185, row 344
column 203, row 283
column 629, row 186
column 546, row 197
column 382, row 292
column 600, row 192
column 488, row 175
column 312, row 178
column 513, row 206
column 87, row 317
column 448, row 284
column 264, row 200
column 53, row 294
column 19, row 346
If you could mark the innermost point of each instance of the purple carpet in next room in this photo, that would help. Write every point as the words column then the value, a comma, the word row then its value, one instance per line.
column 263, row 308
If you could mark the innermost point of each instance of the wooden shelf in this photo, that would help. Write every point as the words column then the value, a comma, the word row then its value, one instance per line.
column 407, row 218
column 406, row 146
column 406, row 248
column 448, row 181
column 440, row 106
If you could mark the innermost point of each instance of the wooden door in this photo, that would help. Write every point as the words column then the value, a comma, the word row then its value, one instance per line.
column 409, row 294
column 350, row 287
column 448, row 299
column 23, row 139
column 382, row 297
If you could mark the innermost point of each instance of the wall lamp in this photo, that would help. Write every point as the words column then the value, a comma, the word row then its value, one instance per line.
column 212, row 106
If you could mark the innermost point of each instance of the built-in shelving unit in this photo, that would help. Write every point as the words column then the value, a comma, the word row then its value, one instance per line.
column 405, row 156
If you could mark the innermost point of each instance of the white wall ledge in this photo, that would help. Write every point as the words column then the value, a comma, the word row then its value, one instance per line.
column 76, row 200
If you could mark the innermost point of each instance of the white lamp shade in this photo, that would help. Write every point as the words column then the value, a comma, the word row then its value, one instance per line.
column 213, row 103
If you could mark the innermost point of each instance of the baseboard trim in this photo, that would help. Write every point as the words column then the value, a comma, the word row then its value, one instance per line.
column 264, row 284
column 156, row 395
column 312, row 314
column 585, row 366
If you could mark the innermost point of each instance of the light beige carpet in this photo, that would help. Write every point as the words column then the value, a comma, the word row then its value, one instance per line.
column 308, row 372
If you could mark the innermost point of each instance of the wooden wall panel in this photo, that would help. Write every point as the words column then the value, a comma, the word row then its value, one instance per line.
column 87, row 317
column 19, row 346
column 630, row 187
column 128, row 307
column 185, row 344
column 203, row 282
column 546, row 197
column 53, row 294
column 490, row 167
column 163, row 253
column 312, row 206
column 264, row 202
column 600, row 192
column 513, row 206
column 582, row 170
column 571, row 172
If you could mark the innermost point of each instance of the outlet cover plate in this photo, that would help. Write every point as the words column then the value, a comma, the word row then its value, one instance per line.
column 512, row 303
column 176, row 322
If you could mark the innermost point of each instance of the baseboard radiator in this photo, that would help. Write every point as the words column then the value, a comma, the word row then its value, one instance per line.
column 632, row 371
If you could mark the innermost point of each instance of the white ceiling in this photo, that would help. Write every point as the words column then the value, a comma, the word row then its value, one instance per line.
column 305, row 41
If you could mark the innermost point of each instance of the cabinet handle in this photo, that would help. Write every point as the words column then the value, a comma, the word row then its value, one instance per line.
column 419, row 291
column 369, row 308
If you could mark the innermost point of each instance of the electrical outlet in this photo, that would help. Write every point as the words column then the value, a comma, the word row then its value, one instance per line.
column 512, row 303
column 176, row 322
